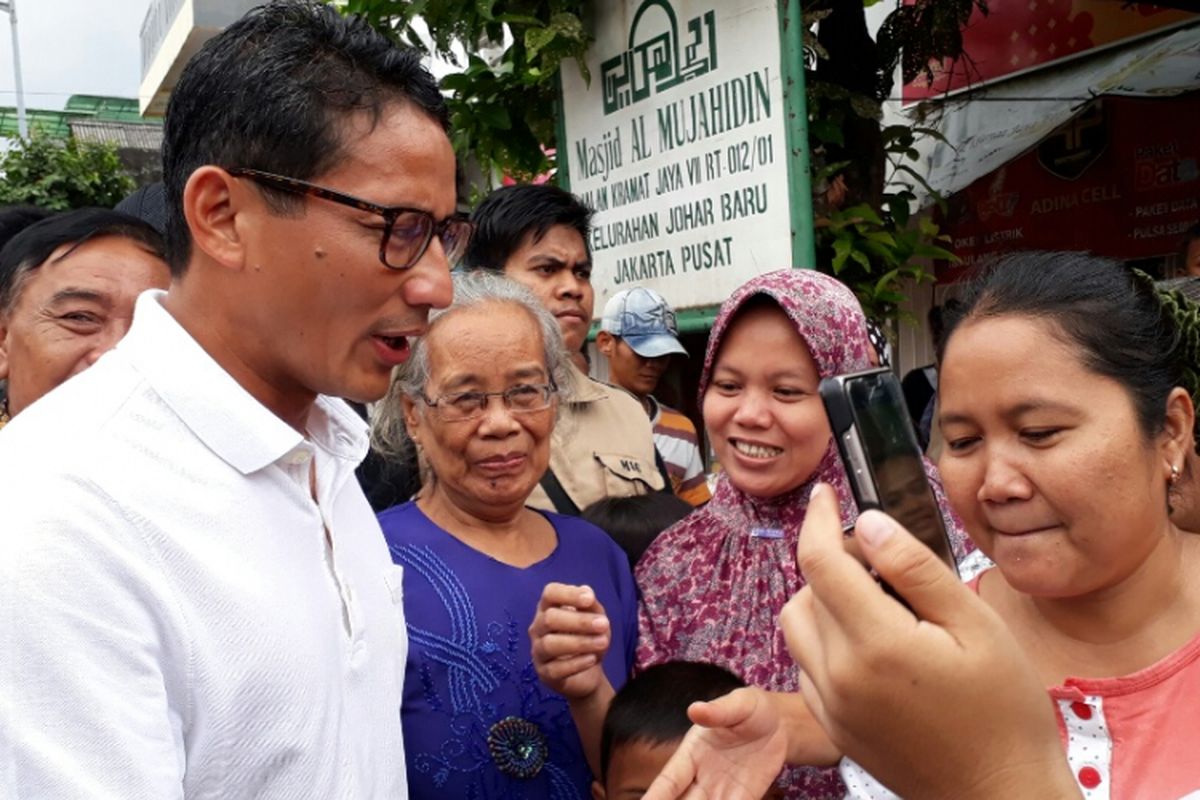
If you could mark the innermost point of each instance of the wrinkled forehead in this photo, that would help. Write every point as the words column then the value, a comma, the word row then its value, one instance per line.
column 105, row 264
column 503, row 331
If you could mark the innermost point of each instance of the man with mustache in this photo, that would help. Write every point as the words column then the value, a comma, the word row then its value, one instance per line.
column 603, row 445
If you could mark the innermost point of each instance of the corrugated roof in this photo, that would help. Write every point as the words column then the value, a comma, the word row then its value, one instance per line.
column 123, row 134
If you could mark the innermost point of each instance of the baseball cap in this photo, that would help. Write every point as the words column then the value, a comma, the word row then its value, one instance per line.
column 644, row 320
column 149, row 203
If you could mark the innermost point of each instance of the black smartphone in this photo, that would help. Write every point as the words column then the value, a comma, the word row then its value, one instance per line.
column 880, row 452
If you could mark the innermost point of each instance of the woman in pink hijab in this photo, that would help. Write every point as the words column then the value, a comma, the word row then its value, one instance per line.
column 713, row 585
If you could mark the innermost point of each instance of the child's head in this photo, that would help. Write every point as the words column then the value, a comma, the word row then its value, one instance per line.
column 647, row 720
column 634, row 522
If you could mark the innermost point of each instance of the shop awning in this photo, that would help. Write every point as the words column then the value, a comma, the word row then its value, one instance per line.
column 988, row 127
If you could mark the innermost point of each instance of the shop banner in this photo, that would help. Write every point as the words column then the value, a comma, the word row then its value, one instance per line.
column 1121, row 179
column 1017, row 36
column 989, row 128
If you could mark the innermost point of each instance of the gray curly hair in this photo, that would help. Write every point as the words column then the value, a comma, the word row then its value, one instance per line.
column 389, row 435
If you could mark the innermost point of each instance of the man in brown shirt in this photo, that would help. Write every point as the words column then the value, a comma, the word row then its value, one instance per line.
column 603, row 445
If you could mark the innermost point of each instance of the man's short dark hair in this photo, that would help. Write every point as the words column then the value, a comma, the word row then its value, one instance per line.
column 652, row 707
column 635, row 521
column 14, row 219
column 273, row 92
column 26, row 252
column 509, row 214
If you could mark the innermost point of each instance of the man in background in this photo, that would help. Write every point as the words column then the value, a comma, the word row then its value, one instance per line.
column 603, row 445
column 638, row 334
column 67, row 288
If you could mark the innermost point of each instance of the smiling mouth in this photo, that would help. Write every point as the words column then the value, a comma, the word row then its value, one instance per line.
column 1027, row 532
column 756, row 450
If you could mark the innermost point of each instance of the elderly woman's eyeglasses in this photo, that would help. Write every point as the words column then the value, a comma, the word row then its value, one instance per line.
column 407, row 232
column 523, row 398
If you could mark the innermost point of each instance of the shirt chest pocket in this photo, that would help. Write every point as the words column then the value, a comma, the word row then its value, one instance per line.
column 625, row 475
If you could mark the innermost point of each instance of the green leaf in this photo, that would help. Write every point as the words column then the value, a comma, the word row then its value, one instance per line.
column 841, row 251
column 536, row 39
column 934, row 252
column 518, row 19
column 827, row 131
column 885, row 279
column 882, row 237
column 494, row 116
column 863, row 211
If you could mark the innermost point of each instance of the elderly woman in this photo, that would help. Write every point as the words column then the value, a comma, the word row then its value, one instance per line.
column 67, row 288
column 478, row 400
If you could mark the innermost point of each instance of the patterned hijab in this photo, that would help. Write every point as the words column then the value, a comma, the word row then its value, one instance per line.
column 831, row 323
column 713, row 584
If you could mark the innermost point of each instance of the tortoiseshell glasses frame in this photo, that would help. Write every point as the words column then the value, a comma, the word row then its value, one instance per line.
column 407, row 232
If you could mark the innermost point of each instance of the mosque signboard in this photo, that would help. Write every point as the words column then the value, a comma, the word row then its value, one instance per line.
column 678, row 143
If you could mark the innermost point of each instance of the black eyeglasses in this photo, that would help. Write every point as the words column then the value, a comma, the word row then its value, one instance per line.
column 524, row 398
column 407, row 232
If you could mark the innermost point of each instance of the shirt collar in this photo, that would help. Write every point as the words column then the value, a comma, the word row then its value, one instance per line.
column 586, row 390
column 216, row 408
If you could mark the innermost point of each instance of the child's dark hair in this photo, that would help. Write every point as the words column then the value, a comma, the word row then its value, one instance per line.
column 1110, row 314
column 634, row 522
column 652, row 707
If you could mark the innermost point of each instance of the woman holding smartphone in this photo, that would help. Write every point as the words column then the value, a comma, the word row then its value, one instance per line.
column 1065, row 405
column 1066, row 411
column 712, row 586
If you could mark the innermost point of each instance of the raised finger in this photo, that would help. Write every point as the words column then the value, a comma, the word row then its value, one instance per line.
column 802, row 632
column 565, row 594
column 931, row 588
column 841, row 586
column 561, row 668
column 563, row 620
column 555, row 645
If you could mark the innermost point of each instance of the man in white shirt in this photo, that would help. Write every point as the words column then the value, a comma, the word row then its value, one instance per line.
column 195, row 598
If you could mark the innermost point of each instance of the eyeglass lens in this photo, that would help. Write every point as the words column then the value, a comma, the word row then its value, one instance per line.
column 520, row 398
column 412, row 232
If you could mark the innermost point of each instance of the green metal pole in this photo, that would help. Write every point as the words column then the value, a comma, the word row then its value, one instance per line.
column 562, row 165
column 795, row 102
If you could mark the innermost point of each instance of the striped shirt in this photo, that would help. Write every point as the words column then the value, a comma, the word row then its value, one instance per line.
column 677, row 443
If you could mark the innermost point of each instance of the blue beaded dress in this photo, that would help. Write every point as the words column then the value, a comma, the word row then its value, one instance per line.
column 478, row 725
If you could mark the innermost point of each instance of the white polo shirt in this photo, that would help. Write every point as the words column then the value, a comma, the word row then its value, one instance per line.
column 174, row 621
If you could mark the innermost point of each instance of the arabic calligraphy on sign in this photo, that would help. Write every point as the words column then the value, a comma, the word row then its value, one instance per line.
column 655, row 59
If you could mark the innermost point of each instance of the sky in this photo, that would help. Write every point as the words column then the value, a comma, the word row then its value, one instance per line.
column 73, row 47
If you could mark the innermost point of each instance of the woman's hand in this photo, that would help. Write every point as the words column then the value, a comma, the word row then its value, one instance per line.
column 939, row 701
column 570, row 635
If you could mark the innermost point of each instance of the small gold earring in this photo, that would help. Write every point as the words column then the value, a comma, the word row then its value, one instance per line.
column 1174, row 475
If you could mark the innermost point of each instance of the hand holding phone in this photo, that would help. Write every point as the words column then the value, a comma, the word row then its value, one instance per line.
column 880, row 453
